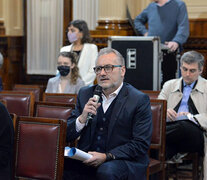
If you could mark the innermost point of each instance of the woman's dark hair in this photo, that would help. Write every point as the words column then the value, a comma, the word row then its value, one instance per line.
column 83, row 27
column 75, row 71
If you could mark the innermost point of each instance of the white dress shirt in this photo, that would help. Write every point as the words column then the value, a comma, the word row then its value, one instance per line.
column 105, row 105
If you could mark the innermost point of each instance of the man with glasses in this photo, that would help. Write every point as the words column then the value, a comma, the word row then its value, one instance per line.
column 187, row 107
column 118, row 136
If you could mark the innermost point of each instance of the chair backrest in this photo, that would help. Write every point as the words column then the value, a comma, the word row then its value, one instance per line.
column 3, row 101
column 60, row 97
column 20, row 103
column 159, row 110
column 53, row 110
column 37, row 89
column 39, row 148
column 152, row 94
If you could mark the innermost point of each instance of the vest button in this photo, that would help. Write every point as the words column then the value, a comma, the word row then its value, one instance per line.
column 101, row 129
column 104, row 119
column 99, row 137
column 98, row 149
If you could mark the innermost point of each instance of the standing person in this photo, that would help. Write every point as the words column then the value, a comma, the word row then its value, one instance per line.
column 69, row 80
column 187, row 109
column 6, row 144
column 79, row 37
column 118, row 137
column 167, row 19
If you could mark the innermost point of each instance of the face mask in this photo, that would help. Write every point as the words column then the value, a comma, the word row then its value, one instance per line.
column 72, row 37
column 64, row 70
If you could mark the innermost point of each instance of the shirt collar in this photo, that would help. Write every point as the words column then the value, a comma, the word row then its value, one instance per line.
column 115, row 93
column 164, row 4
column 191, row 85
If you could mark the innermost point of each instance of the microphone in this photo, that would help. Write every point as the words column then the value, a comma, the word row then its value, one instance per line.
column 97, row 95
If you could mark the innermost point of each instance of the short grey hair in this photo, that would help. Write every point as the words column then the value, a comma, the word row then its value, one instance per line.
column 1, row 60
column 110, row 50
column 191, row 57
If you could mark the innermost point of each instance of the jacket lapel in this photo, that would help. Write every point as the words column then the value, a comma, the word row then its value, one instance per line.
column 121, row 99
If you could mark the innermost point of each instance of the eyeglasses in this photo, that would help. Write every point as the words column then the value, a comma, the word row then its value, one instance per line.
column 107, row 68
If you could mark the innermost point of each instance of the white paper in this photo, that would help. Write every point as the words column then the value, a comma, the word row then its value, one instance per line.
column 77, row 154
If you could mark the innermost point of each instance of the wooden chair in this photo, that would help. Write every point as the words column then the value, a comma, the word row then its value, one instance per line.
column 152, row 94
column 53, row 110
column 157, row 163
column 20, row 103
column 39, row 148
column 3, row 101
column 60, row 97
column 14, row 119
column 181, row 171
column 37, row 89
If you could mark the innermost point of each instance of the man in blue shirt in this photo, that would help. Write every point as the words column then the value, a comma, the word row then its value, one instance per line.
column 167, row 19
column 186, row 108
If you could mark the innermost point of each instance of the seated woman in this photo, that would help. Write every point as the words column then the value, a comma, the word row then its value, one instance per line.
column 79, row 37
column 69, row 80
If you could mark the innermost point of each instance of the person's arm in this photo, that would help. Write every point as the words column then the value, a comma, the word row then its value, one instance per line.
column 79, row 85
column 201, row 119
column 183, row 26
column 140, row 22
column 49, row 86
column 83, row 107
column 90, row 76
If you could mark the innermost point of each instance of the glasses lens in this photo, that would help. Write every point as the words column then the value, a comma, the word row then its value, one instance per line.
column 108, row 68
column 97, row 69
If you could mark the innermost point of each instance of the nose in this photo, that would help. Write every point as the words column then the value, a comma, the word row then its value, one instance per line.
column 102, row 72
column 188, row 73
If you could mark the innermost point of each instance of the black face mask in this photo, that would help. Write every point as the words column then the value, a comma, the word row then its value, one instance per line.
column 64, row 70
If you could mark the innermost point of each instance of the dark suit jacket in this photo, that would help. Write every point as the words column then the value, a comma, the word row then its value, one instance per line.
column 6, row 143
column 129, row 131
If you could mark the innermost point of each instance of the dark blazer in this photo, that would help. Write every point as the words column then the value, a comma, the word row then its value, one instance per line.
column 6, row 143
column 129, row 131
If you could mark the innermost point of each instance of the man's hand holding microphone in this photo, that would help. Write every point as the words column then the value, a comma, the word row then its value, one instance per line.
column 91, row 106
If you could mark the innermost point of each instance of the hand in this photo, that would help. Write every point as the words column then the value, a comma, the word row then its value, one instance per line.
column 183, row 113
column 171, row 114
column 172, row 45
column 96, row 160
column 90, row 107
column 146, row 34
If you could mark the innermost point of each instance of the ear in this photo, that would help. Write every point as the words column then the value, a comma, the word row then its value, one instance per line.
column 72, row 66
column 123, row 71
column 201, row 70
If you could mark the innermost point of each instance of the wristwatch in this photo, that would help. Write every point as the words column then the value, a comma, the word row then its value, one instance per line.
column 110, row 156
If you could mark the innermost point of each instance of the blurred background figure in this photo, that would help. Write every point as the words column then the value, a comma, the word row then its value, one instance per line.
column 1, row 64
column 69, row 80
column 167, row 19
column 6, row 144
column 79, row 37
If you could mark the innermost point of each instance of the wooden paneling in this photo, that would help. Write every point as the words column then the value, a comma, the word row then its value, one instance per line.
column 198, row 28
column 68, row 16
column 2, row 28
column 12, row 49
column 198, row 39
